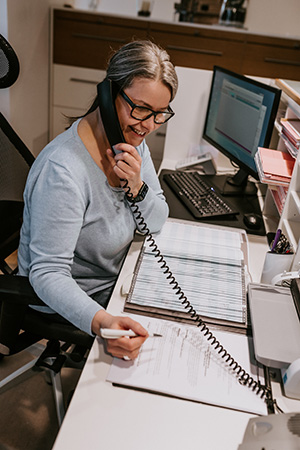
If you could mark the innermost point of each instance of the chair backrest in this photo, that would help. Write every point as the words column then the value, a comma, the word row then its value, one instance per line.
column 9, row 64
column 15, row 162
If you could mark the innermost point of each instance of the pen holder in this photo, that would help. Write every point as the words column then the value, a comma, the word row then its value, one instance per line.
column 275, row 263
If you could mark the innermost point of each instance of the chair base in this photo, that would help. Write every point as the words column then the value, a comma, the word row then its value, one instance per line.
column 51, row 365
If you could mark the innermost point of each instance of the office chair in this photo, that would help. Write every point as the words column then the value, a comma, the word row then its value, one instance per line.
column 15, row 161
column 20, row 326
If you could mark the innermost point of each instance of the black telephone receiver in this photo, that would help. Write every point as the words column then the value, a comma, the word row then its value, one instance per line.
column 107, row 92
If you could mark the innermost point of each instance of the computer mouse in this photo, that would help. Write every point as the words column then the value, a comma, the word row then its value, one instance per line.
column 252, row 221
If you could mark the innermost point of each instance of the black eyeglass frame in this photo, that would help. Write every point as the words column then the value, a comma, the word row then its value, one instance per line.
column 153, row 113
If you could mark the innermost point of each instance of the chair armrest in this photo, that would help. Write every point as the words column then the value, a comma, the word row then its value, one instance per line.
column 16, row 294
column 17, row 289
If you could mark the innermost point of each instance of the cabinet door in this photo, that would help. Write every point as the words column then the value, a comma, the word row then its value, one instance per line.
column 200, row 48
column 273, row 58
column 73, row 92
column 75, row 87
column 87, row 40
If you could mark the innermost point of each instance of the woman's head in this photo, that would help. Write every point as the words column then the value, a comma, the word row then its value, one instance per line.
column 139, row 60
column 142, row 108
column 142, row 59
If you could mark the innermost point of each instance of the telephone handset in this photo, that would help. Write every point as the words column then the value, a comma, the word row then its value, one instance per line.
column 107, row 91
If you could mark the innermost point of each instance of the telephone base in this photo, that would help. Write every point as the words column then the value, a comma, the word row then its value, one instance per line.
column 203, row 163
column 291, row 380
column 273, row 432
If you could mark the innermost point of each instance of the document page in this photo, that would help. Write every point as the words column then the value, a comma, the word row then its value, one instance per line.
column 182, row 363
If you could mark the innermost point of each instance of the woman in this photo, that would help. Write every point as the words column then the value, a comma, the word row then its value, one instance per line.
column 78, row 223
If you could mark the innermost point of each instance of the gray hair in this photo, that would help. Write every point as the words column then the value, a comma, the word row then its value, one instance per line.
column 138, row 59
column 142, row 59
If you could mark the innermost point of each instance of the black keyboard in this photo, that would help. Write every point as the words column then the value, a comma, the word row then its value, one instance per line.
column 199, row 196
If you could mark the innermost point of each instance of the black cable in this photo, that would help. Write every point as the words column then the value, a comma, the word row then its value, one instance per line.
column 244, row 378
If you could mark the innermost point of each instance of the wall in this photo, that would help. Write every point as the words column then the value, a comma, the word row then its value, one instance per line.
column 26, row 26
column 162, row 9
column 4, row 94
column 25, row 104
column 275, row 17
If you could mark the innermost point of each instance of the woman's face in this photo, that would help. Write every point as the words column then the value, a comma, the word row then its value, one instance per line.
column 143, row 92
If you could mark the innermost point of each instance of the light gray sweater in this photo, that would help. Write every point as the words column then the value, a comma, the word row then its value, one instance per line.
column 77, row 228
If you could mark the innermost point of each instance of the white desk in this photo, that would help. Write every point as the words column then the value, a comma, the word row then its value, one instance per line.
column 102, row 416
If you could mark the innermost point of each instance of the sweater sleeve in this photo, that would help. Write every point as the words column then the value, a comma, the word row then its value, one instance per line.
column 56, row 215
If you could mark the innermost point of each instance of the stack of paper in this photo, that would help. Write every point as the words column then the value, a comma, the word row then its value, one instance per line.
column 274, row 167
column 183, row 363
column 290, row 134
column 279, row 194
column 209, row 265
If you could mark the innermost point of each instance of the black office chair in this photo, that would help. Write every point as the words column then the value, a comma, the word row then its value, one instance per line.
column 20, row 325
column 15, row 161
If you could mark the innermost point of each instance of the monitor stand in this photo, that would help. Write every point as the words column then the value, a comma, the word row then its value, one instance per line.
column 238, row 185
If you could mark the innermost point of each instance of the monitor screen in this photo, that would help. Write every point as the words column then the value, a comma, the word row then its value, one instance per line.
column 240, row 118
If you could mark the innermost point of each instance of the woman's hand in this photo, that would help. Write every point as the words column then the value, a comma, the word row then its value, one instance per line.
column 127, row 166
column 123, row 346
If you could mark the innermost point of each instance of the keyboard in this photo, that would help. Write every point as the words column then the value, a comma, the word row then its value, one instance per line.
column 199, row 196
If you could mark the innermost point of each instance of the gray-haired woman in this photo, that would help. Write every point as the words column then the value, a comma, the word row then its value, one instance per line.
column 78, row 222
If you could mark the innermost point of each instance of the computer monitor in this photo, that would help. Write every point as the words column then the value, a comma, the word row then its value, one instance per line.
column 240, row 118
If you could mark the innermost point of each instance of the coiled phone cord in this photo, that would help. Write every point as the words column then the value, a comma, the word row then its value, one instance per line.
column 244, row 377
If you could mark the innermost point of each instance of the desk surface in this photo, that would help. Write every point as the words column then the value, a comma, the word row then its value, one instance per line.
column 244, row 204
column 104, row 416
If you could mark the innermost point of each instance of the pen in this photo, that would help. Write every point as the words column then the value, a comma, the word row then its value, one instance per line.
column 276, row 239
column 110, row 333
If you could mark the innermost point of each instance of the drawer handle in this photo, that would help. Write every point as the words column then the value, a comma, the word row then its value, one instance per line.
column 282, row 61
column 194, row 50
column 80, row 80
column 99, row 38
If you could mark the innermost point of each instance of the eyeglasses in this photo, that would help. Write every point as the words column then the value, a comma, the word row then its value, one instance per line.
column 142, row 113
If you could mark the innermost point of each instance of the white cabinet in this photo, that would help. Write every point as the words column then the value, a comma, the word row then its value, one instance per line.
column 72, row 93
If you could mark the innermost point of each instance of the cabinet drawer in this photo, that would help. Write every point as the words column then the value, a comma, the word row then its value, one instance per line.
column 272, row 61
column 75, row 87
column 86, row 40
column 201, row 52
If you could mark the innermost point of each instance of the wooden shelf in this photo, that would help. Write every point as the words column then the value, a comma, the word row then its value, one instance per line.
column 291, row 88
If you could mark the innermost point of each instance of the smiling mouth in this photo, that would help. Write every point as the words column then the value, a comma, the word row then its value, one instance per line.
column 139, row 133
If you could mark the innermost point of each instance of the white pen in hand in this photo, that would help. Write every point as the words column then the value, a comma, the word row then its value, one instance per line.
column 110, row 333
